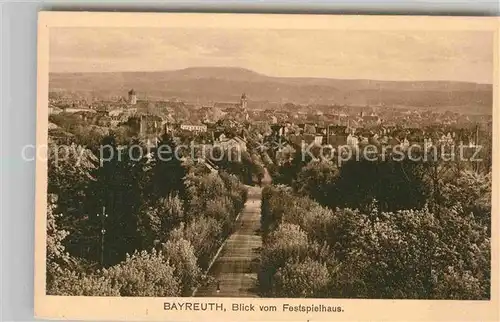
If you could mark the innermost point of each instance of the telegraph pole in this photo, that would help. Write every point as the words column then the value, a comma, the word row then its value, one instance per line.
column 476, row 144
column 328, row 133
column 103, row 217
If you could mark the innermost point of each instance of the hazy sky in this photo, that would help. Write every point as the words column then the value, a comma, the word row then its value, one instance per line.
column 405, row 55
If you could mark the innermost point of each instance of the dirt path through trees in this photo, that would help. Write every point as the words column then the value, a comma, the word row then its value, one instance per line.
column 235, row 269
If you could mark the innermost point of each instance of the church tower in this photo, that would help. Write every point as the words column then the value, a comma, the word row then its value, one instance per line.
column 132, row 97
column 243, row 101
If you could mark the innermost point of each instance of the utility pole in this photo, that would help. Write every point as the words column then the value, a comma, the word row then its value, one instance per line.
column 328, row 133
column 476, row 145
column 103, row 217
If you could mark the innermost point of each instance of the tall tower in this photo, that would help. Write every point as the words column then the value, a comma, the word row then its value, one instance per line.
column 132, row 97
column 243, row 101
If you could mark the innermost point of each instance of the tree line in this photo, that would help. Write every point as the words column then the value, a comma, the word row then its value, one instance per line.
column 313, row 251
column 134, row 225
column 377, row 229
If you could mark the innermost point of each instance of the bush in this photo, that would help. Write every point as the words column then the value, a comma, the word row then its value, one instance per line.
column 472, row 191
column 275, row 202
column 156, row 222
column 303, row 279
column 236, row 190
column 287, row 243
column 203, row 234
column 70, row 283
column 180, row 254
column 317, row 180
column 213, row 202
column 459, row 286
column 202, row 189
column 144, row 274
column 221, row 209
column 288, row 239
column 56, row 252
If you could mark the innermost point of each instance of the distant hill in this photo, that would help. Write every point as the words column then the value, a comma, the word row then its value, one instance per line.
column 206, row 84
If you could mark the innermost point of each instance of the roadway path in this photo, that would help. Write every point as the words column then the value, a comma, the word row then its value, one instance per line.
column 235, row 268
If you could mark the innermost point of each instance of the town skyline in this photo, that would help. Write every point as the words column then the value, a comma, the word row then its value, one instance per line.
column 405, row 56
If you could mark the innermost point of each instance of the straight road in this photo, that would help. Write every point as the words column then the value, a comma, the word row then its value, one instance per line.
column 235, row 269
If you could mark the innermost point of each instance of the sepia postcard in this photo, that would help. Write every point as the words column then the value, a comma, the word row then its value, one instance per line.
column 266, row 167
